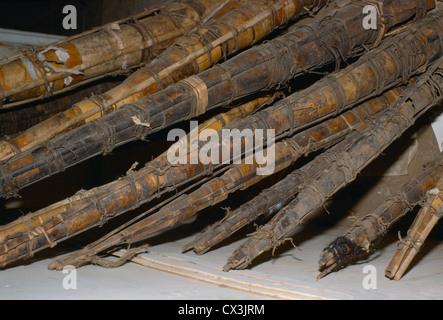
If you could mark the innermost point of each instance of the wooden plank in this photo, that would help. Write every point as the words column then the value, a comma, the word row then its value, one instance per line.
column 247, row 281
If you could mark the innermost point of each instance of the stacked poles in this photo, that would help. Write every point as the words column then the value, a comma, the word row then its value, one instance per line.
column 116, row 47
column 256, row 69
column 217, row 122
column 321, row 136
column 360, row 149
column 157, row 178
column 247, row 22
column 364, row 237
column 238, row 177
column 427, row 218
column 383, row 68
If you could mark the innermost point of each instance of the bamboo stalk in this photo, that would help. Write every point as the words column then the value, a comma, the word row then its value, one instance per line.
column 248, row 22
column 425, row 221
column 417, row 98
column 365, row 235
column 90, row 208
column 113, row 48
column 394, row 62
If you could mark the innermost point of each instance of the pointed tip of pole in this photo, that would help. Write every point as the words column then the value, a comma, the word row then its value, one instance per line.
column 237, row 262
column 227, row 267
column 326, row 271
column 337, row 255
column 327, row 264
column 187, row 247
column 320, row 276
column 201, row 249
column 197, row 246
column 399, row 264
column 389, row 274
column 394, row 273
column 248, row 252
column 191, row 244
column 326, row 259
column 54, row 266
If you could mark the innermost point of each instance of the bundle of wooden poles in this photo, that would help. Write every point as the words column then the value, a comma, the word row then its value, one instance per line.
column 193, row 58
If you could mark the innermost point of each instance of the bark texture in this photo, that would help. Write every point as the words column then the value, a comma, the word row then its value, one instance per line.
column 397, row 59
column 361, row 149
column 116, row 47
column 425, row 221
column 94, row 207
column 247, row 22
column 365, row 235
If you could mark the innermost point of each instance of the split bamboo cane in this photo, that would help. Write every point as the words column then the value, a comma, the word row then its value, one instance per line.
column 416, row 99
column 244, row 175
column 316, row 138
column 365, row 235
column 137, row 187
column 411, row 50
column 426, row 219
column 136, row 229
column 128, row 198
column 246, row 23
column 98, row 211
column 116, row 47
